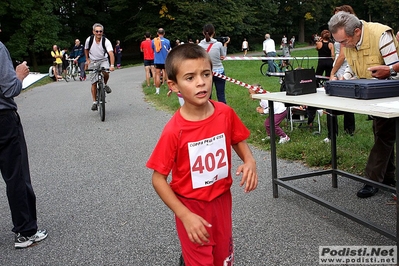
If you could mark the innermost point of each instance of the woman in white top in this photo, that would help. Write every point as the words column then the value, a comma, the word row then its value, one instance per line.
column 244, row 46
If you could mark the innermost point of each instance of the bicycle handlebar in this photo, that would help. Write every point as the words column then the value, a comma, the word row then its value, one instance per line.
column 98, row 69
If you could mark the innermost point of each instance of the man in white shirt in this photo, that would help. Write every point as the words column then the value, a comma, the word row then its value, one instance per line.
column 98, row 51
column 269, row 48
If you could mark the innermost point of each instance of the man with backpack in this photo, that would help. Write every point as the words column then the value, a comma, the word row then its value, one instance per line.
column 98, row 50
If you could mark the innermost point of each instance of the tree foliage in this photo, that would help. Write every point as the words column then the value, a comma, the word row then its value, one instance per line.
column 30, row 28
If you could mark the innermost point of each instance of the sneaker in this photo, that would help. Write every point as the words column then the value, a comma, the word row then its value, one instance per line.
column 326, row 140
column 284, row 140
column 107, row 89
column 26, row 241
column 266, row 138
column 94, row 107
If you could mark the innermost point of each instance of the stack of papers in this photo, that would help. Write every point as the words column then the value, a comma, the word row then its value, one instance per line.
column 32, row 78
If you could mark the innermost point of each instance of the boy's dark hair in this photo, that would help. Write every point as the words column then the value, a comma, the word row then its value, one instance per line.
column 180, row 53
column 147, row 34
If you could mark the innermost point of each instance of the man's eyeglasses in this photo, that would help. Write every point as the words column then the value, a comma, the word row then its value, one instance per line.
column 98, row 31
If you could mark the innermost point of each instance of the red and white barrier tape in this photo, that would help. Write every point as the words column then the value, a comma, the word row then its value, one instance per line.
column 282, row 74
column 251, row 87
column 243, row 84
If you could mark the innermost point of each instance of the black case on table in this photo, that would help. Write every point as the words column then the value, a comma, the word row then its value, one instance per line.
column 363, row 88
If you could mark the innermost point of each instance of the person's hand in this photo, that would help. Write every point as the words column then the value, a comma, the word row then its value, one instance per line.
column 195, row 227
column 249, row 176
column 333, row 77
column 259, row 109
column 380, row 72
column 111, row 68
column 87, row 64
column 22, row 71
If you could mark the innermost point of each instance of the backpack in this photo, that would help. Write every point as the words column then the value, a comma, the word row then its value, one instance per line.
column 157, row 44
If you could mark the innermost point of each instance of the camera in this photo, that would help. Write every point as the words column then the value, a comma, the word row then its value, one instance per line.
column 222, row 39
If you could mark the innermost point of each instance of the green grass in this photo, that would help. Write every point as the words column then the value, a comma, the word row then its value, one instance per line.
column 352, row 152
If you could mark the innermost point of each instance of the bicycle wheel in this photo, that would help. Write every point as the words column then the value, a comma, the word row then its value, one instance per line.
column 263, row 68
column 73, row 72
column 77, row 74
column 101, row 100
column 67, row 75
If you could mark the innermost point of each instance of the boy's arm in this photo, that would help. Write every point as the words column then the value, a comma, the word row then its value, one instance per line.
column 248, row 169
column 194, row 224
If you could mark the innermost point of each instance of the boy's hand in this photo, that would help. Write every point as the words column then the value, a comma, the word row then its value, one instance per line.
column 249, row 176
column 195, row 228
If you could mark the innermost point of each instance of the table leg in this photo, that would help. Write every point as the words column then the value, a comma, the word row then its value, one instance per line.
column 333, row 136
column 397, row 182
column 273, row 153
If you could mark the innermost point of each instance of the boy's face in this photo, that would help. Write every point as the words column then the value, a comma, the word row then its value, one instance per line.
column 194, row 81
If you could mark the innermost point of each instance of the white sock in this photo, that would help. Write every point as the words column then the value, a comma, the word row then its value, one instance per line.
column 157, row 90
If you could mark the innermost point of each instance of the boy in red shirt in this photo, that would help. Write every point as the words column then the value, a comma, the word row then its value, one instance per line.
column 196, row 146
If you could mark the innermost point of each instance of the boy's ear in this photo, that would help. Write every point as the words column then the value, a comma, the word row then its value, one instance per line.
column 173, row 85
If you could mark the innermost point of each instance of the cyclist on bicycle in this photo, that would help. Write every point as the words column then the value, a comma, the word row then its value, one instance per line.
column 96, row 53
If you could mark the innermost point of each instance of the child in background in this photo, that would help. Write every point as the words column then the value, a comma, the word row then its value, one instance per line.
column 181, row 100
column 280, row 112
column 196, row 146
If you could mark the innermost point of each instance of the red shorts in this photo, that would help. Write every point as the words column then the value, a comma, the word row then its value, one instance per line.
column 219, row 250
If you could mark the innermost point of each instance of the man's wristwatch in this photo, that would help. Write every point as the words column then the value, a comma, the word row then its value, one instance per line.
column 392, row 71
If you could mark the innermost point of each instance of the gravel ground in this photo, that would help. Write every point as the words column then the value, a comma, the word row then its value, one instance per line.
column 94, row 193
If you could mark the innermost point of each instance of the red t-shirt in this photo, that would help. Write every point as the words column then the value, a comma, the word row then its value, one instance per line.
column 145, row 46
column 199, row 153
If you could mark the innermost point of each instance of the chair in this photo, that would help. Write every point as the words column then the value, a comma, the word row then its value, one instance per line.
column 298, row 115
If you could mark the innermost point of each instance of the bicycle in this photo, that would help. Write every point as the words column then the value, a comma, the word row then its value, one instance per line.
column 279, row 65
column 100, row 98
column 72, row 71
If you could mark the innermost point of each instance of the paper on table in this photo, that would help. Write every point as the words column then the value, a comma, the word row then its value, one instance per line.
column 32, row 78
column 394, row 104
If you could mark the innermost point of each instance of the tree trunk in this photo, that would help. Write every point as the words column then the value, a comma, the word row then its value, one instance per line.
column 33, row 60
column 301, row 30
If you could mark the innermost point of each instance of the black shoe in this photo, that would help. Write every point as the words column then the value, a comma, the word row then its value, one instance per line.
column 94, row 107
column 107, row 89
column 367, row 191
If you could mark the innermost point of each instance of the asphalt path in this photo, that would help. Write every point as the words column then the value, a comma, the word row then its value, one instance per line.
column 94, row 193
